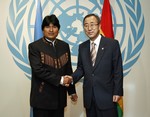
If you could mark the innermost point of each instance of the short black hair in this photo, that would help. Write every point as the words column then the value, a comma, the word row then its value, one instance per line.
column 50, row 19
column 89, row 15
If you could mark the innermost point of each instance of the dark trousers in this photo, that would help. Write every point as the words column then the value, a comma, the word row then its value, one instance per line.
column 94, row 111
column 48, row 113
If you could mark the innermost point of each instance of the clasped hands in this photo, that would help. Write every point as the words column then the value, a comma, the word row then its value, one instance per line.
column 67, row 80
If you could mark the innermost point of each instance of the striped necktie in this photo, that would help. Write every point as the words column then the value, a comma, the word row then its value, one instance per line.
column 93, row 53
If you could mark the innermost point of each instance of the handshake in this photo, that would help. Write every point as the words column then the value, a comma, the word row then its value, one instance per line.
column 67, row 80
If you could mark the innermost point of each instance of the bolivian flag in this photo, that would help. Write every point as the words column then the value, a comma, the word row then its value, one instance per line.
column 107, row 30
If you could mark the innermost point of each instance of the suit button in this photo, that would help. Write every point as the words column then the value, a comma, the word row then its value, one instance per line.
column 92, row 74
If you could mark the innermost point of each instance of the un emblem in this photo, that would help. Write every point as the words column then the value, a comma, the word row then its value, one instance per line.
column 128, row 28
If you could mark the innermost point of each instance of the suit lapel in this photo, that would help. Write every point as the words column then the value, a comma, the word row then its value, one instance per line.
column 88, row 54
column 100, row 52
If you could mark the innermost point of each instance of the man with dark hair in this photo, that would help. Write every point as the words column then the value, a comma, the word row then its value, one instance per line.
column 50, row 60
column 100, row 63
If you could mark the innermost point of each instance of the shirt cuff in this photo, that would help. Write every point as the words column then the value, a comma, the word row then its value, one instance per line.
column 62, row 80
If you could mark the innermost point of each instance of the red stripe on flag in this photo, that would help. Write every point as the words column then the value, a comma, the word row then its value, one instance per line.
column 106, row 20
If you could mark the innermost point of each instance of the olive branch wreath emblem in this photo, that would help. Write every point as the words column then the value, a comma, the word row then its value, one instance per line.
column 16, row 41
column 136, row 36
column 18, row 46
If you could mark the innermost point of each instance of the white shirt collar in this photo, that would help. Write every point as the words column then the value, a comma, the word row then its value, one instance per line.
column 97, row 41
column 50, row 41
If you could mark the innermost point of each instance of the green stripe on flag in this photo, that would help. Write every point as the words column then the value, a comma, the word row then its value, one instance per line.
column 120, row 111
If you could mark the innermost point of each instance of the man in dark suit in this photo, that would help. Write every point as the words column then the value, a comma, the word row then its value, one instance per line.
column 102, row 70
column 50, row 60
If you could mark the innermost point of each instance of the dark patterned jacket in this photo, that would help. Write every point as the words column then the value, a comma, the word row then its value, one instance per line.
column 48, row 64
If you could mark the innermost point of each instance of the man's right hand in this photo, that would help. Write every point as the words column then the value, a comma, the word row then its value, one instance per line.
column 67, row 80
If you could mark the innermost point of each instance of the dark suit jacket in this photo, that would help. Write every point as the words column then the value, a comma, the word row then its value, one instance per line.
column 103, row 80
column 48, row 64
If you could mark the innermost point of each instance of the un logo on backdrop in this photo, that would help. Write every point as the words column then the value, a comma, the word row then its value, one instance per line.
column 71, row 16
column 128, row 28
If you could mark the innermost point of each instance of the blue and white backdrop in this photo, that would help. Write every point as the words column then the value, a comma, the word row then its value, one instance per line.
column 131, row 28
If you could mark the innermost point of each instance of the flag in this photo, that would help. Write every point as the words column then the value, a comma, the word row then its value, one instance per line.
column 107, row 30
column 38, row 22
column 106, row 20
column 37, row 31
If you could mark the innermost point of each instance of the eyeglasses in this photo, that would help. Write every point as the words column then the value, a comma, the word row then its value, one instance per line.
column 92, row 26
